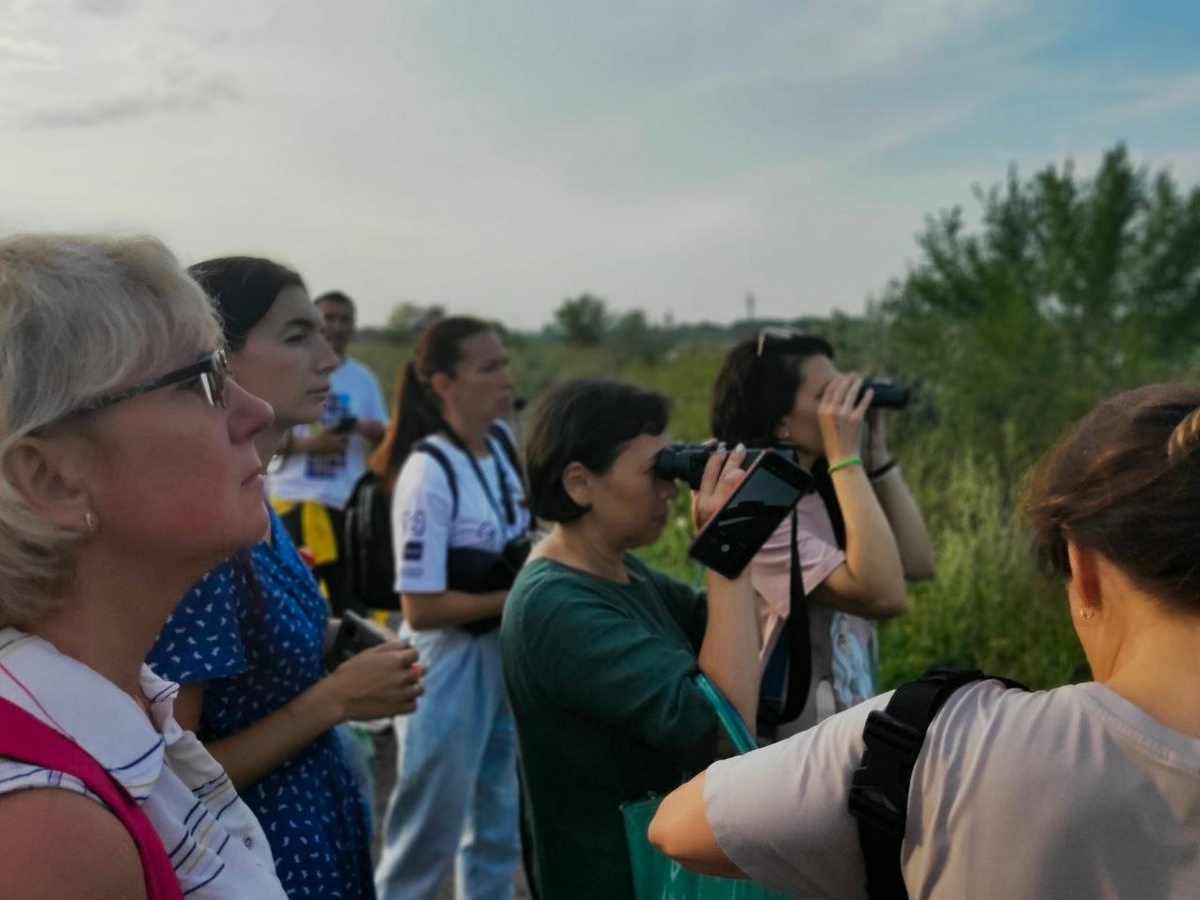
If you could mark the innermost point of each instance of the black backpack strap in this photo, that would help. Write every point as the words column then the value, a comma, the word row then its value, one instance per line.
column 439, row 456
column 879, row 795
column 500, row 433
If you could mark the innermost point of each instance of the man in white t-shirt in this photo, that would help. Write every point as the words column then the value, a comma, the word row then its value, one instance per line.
column 321, row 463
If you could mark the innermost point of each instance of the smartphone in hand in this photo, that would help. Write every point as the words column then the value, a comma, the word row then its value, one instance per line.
column 736, row 532
column 345, row 425
column 354, row 635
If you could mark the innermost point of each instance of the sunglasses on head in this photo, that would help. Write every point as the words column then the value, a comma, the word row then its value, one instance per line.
column 767, row 336
column 212, row 374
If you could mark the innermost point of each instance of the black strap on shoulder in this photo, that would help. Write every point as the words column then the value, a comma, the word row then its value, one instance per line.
column 500, row 433
column 879, row 794
column 793, row 651
column 442, row 460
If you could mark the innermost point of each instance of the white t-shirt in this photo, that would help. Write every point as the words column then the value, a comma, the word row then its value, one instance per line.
column 329, row 478
column 215, row 843
column 1071, row 794
column 842, row 644
column 423, row 525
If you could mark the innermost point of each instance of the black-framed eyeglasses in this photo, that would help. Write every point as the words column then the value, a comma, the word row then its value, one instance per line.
column 212, row 374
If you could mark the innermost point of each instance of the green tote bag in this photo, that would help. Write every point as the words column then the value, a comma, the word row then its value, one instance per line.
column 656, row 877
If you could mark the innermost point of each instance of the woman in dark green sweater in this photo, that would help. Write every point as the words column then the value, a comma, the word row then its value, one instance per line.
column 600, row 650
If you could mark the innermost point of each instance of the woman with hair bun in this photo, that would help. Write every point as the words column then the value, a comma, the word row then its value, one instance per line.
column 246, row 643
column 459, row 527
column 1086, row 792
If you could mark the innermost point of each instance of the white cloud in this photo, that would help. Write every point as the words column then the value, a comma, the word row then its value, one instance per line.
column 498, row 157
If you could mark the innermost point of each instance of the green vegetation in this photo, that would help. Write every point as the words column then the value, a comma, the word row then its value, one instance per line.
column 1069, row 290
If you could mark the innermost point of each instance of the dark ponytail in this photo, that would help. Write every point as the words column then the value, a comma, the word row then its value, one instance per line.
column 416, row 411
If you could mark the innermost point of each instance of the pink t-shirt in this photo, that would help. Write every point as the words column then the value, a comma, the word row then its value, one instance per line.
column 843, row 645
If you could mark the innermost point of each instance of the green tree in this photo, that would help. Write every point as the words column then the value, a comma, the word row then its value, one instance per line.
column 408, row 319
column 1071, row 289
column 632, row 333
column 583, row 319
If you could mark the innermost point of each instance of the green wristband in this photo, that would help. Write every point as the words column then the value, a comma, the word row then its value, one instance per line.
column 845, row 463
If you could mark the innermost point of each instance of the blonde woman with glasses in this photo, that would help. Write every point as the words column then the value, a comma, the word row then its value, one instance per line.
column 127, row 469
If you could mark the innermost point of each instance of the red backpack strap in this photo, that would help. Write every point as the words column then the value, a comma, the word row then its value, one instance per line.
column 26, row 739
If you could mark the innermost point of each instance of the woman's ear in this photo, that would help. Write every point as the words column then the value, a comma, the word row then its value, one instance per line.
column 45, row 475
column 1083, row 588
column 577, row 482
column 439, row 384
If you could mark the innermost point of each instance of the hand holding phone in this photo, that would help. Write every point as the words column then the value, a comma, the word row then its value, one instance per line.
column 354, row 635
column 344, row 425
column 735, row 533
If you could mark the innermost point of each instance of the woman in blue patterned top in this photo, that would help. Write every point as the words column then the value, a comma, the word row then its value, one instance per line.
column 246, row 642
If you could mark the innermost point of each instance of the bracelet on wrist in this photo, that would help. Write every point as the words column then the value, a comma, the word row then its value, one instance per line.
column 878, row 472
column 845, row 463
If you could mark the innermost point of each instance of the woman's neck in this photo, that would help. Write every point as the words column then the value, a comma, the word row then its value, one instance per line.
column 112, row 614
column 578, row 546
column 1155, row 665
column 472, row 434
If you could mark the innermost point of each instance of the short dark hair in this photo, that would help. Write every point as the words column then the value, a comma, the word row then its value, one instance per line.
column 334, row 297
column 1125, row 482
column 756, row 386
column 585, row 421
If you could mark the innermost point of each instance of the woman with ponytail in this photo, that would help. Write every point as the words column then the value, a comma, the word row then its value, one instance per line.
column 458, row 525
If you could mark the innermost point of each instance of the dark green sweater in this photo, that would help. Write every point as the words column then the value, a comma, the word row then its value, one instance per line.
column 599, row 676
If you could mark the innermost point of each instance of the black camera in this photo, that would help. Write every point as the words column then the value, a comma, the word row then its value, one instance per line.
column 888, row 394
column 686, row 461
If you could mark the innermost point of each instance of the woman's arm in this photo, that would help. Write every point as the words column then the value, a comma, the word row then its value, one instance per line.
column 439, row 610
column 681, row 830
column 908, row 525
column 376, row 683
column 62, row 844
column 729, row 652
column 871, row 582
column 903, row 515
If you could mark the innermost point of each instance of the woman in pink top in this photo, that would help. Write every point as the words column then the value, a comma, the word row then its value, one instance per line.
column 855, row 543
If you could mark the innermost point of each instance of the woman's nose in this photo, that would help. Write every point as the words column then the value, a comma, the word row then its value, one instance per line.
column 327, row 359
column 248, row 413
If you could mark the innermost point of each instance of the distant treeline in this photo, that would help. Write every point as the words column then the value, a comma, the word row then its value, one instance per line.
column 1068, row 290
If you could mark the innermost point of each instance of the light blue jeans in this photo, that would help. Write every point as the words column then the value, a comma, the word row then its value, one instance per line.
column 455, row 799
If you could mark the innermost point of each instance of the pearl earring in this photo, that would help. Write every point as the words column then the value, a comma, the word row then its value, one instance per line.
column 1085, row 612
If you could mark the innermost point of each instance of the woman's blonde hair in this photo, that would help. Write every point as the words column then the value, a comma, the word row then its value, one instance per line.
column 80, row 315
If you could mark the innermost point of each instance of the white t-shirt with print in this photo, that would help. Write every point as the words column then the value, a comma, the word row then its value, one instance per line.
column 329, row 477
column 423, row 524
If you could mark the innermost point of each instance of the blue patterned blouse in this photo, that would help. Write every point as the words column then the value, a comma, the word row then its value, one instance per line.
column 256, row 649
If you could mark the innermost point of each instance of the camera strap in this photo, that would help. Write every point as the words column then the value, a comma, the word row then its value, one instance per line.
column 791, row 660
column 509, row 514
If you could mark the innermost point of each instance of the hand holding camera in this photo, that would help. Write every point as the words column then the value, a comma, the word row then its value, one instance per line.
column 840, row 414
column 721, row 473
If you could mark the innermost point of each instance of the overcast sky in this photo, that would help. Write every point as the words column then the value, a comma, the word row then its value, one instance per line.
column 497, row 156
